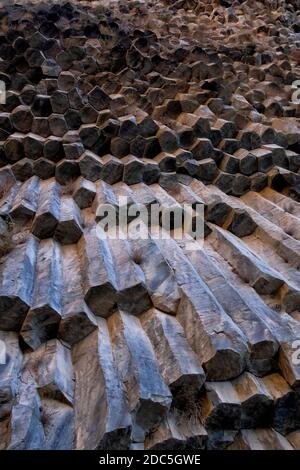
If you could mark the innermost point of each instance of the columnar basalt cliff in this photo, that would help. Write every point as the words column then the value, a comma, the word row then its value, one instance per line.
column 150, row 343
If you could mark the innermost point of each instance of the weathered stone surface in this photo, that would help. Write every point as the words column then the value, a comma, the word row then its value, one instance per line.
column 53, row 149
column 41, row 106
column 40, row 125
column 67, row 171
column 43, row 168
column 177, row 432
column 84, row 193
column 148, row 396
column 133, row 170
column 23, row 169
column 77, row 320
column 17, row 283
column 264, row 279
column 58, row 423
column 33, row 146
column 178, row 364
column 159, row 277
column 102, row 420
column 59, row 102
column 9, row 369
column 293, row 439
column 26, row 200
column 288, row 366
column 151, row 171
column 256, row 401
column 286, row 415
column 262, row 344
column 73, row 150
column 26, row 431
column 221, row 354
column 57, row 125
column 220, row 439
column 90, row 166
column 51, row 367
column 65, row 81
column 22, row 118
column 112, row 169
column 48, row 210
column 98, row 274
column 68, row 229
column 132, row 292
column 14, row 147
column 240, row 223
column 98, row 98
column 247, row 161
column 221, row 406
column 42, row 320
column 167, row 162
column 105, row 195
column 260, row 439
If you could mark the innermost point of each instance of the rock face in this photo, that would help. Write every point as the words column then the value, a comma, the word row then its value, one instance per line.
column 150, row 342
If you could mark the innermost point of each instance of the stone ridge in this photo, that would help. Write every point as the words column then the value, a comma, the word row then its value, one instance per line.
column 150, row 344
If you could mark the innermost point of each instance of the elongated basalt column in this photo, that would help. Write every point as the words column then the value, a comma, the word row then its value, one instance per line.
column 17, row 284
column 51, row 367
column 264, row 279
column 262, row 344
column 148, row 396
column 48, row 210
column 102, row 420
column 9, row 369
column 159, row 278
column 68, row 229
column 99, row 277
column 26, row 431
column 42, row 320
column 260, row 439
column 77, row 320
column 132, row 293
column 178, row 364
column 178, row 431
column 221, row 348
column 26, row 200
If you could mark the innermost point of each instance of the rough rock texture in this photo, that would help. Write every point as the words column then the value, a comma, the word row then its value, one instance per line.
column 146, row 343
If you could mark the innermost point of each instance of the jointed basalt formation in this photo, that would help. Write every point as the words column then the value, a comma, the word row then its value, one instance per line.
column 150, row 343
